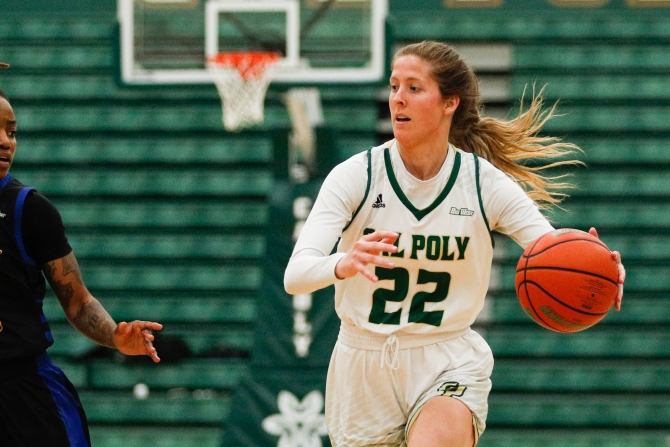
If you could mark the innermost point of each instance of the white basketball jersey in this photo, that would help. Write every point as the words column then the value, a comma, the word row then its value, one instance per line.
column 443, row 262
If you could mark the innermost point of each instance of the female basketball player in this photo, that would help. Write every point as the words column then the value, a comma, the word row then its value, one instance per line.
column 39, row 406
column 412, row 267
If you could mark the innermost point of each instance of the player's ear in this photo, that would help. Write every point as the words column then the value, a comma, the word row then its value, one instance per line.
column 451, row 104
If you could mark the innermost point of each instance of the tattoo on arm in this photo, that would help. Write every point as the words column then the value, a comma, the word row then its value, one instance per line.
column 59, row 282
column 83, row 311
column 71, row 267
column 93, row 321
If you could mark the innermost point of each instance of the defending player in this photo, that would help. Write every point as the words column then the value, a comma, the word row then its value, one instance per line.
column 412, row 267
column 38, row 404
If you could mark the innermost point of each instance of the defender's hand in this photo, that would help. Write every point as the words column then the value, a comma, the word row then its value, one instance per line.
column 135, row 338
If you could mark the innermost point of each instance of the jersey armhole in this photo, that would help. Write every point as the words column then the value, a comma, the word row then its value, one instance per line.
column 367, row 190
column 18, row 234
column 481, row 202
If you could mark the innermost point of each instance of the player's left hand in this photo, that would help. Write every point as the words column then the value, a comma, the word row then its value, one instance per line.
column 622, row 272
column 135, row 338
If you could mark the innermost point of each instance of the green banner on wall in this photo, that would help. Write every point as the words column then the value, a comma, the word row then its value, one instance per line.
column 280, row 402
column 279, row 407
column 291, row 330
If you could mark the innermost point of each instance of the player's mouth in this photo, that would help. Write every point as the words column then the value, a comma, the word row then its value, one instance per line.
column 5, row 162
column 401, row 119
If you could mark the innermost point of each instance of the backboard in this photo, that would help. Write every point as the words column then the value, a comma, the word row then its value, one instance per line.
column 320, row 41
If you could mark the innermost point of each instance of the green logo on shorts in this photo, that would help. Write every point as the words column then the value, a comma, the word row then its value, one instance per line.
column 452, row 389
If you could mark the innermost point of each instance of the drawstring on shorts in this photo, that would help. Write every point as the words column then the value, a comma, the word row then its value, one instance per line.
column 390, row 352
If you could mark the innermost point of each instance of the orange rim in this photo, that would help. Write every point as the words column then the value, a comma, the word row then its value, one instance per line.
column 250, row 64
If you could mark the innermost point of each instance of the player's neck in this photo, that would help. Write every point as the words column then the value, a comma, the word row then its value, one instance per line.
column 423, row 161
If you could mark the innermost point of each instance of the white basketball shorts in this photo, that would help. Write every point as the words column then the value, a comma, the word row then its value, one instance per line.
column 377, row 384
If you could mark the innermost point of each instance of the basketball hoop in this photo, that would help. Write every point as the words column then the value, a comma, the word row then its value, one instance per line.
column 242, row 79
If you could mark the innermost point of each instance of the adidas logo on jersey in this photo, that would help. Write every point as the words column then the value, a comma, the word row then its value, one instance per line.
column 2, row 214
column 461, row 211
column 379, row 203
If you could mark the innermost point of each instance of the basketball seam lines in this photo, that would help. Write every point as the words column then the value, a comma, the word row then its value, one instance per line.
column 569, row 307
column 565, row 269
column 565, row 242
column 524, row 274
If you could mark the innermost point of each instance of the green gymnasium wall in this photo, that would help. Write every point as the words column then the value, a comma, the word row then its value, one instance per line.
column 52, row 7
column 109, row 6
column 527, row 5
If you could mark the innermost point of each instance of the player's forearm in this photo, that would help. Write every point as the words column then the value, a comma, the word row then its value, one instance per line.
column 308, row 271
column 82, row 310
column 92, row 320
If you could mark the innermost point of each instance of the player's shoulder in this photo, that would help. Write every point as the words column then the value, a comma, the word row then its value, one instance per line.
column 30, row 195
column 471, row 159
column 485, row 169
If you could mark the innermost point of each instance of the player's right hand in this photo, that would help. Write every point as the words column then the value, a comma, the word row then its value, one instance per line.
column 367, row 250
column 136, row 338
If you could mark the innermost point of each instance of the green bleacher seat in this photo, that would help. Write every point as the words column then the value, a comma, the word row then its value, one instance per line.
column 168, row 307
column 61, row 149
column 649, row 247
column 115, row 407
column 76, row 372
column 611, row 214
column 68, row 342
column 629, row 182
column 156, row 245
column 364, row 93
column 205, row 213
column 600, row 340
column 637, row 308
column 543, row 57
column 205, row 338
column 188, row 117
column 95, row 86
column 581, row 375
column 201, row 338
column 574, row 119
column 53, row 27
column 623, row 149
column 127, row 181
column 588, row 87
column 191, row 374
column 642, row 247
column 496, row 25
column 522, row 340
column 578, row 410
column 109, row 436
column 573, row 437
column 103, row 87
column 174, row 274
column 97, row 56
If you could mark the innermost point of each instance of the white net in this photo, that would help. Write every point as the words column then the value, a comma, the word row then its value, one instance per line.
column 242, row 80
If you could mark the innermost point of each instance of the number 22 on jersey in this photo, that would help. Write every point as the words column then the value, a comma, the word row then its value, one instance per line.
column 417, row 312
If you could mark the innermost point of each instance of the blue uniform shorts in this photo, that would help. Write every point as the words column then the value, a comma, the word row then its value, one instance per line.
column 40, row 407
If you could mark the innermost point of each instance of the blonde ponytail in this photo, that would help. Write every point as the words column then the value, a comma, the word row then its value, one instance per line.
column 514, row 146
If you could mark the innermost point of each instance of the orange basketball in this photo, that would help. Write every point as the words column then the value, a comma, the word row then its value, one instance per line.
column 566, row 280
